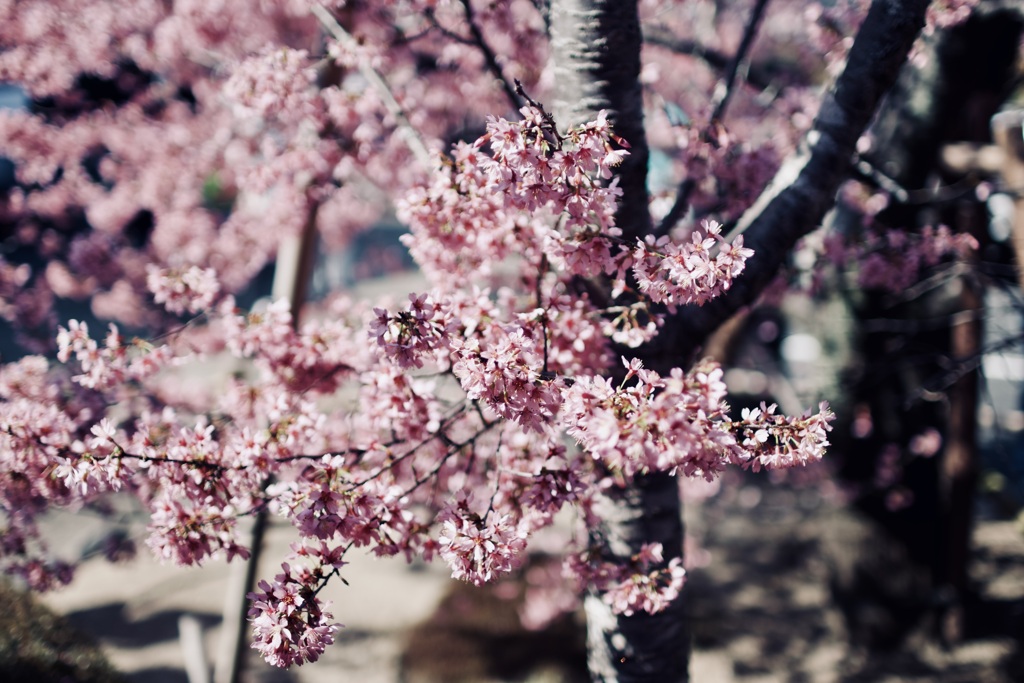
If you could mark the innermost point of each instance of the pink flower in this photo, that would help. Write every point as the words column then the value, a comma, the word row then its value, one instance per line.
column 290, row 625
column 683, row 273
column 189, row 290
column 479, row 550
column 648, row 592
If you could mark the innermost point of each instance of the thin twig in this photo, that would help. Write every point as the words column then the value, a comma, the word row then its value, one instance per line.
column 444, row 30
column 489, row 57
column 550, row 129
column 439, row 434
column 722, row 97
column 679, row 207
column 412, row 136
column 958, row 367
column 724, row 90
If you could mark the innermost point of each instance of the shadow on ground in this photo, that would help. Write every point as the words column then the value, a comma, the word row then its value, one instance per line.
column 761, row 611
column 40, row 646
column 114, row 623
column 764, row 601
column 476, row 635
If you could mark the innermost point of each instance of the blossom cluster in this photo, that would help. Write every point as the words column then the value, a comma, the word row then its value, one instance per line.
column 290, row 624
column 189, row 290
column 681, row 423
column 480, row 549
column 644, row 584
column 507, row 379
column 407, row 335
column 112, row 364
column 650, row 425
column 772, row 441
column 275, row 85
column 894, row 260
column 481, row 210
column 677, row 273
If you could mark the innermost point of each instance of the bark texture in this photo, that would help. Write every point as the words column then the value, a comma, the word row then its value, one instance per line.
column 596, row 53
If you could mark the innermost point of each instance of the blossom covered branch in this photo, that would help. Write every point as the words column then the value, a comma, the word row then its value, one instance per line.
column 471, row 390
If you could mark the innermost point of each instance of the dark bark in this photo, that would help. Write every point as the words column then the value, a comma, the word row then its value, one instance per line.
column 804, row 189
column 596, row 53
column 642, row 648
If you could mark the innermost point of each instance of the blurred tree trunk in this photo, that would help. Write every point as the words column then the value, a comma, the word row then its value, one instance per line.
column 919, row 352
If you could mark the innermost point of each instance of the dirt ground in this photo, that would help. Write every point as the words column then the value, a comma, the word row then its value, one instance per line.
column 763, row 604
column 760, row 606
column 761, row 611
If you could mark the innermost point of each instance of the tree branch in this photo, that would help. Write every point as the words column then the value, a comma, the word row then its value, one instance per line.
column 722, row 97
column 804, row 189
column 412, row 136
column 724, row 89
column 489, row 57
column 716, row 59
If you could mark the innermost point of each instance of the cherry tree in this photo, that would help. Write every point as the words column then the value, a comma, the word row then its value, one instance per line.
column 552, row 359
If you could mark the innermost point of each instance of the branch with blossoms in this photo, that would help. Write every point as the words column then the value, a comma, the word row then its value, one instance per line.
column 290, row 624
column 633, row 587
column 720, row 101
column 894, row 260
column 350, row 44
column 469, row 390
column 805, row 186
column 481, row 209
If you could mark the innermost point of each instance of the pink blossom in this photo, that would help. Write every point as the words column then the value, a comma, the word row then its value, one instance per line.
column 646, row 592
column 645, row 583
column 193, row 289
column 778, row 441
column 478, row 550
column 688, row 272
column 290, row 625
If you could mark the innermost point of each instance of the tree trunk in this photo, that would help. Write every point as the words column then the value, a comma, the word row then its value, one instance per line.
column 596, row 53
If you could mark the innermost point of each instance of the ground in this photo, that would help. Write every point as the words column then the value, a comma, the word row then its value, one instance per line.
column 760, row 605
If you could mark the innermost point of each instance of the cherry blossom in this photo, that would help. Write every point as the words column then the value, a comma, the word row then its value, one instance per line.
column 169, row 149
column 290, row 624
column 894, row 259
column 479, row 550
